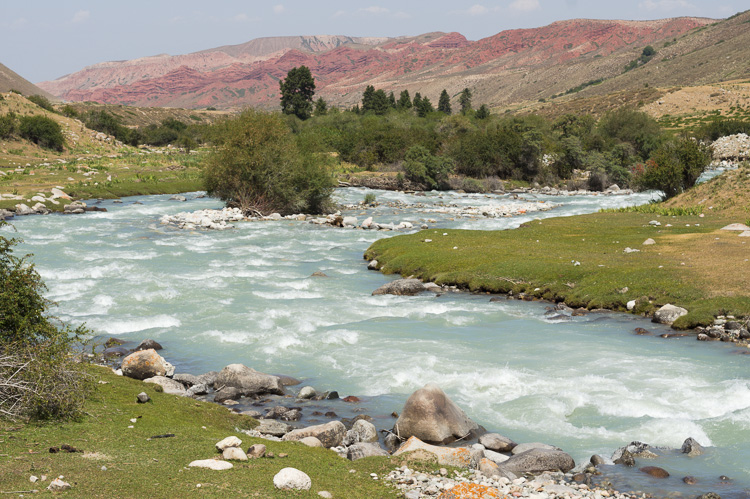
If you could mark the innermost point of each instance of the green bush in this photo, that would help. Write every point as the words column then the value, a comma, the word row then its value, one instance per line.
column 42, row 102
column 424, row 168
column 8, row 125
column 369, row 199
column 259, row 167
column 674, row 167
column 43, row 131
column 69, row 111
column 39, row 378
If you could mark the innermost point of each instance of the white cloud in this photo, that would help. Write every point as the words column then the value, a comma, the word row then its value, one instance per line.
column 375, row 10
column 339, row 13
column 665, row 5
column 402, row 15
column 477, row 10
column 278, row 9
column 240, row 17
column 81, row 16
column 525, row 5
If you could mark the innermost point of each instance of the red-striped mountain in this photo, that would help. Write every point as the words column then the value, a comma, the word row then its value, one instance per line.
column 512, row 66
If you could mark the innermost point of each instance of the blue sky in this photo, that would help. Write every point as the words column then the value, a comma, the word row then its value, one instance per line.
column 44, row 40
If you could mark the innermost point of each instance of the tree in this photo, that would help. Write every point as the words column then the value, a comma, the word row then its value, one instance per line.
column 321, row 107
column 425, row 107
column 424, row 168
column 417, row 100
column 465, row 100
column 259, row 167
column 43, row 131
column 367, row 98
column 444, row 103
column 483, row 112
column 404, row 100
column 392, row 100
column 674, row 167
column 297, row 91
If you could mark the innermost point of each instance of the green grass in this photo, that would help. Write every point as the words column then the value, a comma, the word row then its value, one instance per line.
column 688, row 266
column 137, row 466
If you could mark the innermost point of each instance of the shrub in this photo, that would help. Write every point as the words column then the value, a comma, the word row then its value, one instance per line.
column 369, row 199
column 8, row 125
column 43, row 131
column 674, row 167
column 259, row 167
column 42, row 102
column 69, row 111
column 38, row 377
column 424, row 168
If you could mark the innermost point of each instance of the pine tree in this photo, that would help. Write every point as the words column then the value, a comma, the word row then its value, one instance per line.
column 380, row 104
column 465, row 100
column 444, row 103
column 297, row 91
column 367, row 98
column 417, row 100
column 321, row 107
column 404, row 100
column 425, row 107
column 483, row 112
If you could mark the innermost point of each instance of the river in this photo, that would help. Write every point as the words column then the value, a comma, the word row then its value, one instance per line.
column 587, row 385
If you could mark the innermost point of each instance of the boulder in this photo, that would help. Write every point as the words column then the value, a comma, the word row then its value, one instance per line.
column 57, row 485
column 496, row 442
column 168, row 384
column 495, row 457
column 199, row 389
column 248, row 380
column 533, row 445
column 307, row 392
column 227, row 393
column 273, row 428
column 736, row 227
column 330, row 434
column 146, row 344
column 692, row 448
column 402, row 287
column 211, row 464
column 292, row 479
column 227, row 443
column 539, row 460
column 145, row 364
column 373, row 265
column 655, row 471
column 470, row 490
column 256, row 451
column 432, row 417
column 362, row 431
column 311, row 442
column 668, row 314
column 142, row 398
column 234, row 454
column 364, row 449
column 649, row 242
column 460, row 457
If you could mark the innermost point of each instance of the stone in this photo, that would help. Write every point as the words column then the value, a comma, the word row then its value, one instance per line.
column 116, row 352
column 227, row 393
column 470, row 491
column 668, row 314
column 626, row 458
column 649, row 242
column 168, row 384
column 291, row 479
column 318, row 273
column 533, row 445
column 195, row 390
column 392, row 442
column 362, row 431
column 307, row 392
column 373, row 265
column 211, row 464
column 495, row 457
column 57, row 485
column 488, row 468
column 146, row 344
column 23, row 209
column 655, row 471
column 496, row 442
column 272, row 427
column 145, row 364
column 256, row 451
column 538, row 460
column 631, row 304
column 689, row 480
column 597, row 460
column 709, row 495
column 248, row 380
column 330, row 434
column 401, row 287
column 325, row 494
column 142, row 398
column 227, row 443
column 364, row 449
column 431, row 416
column 692, row 448
column 460, row 457
column 178, row 197
column 351, row 221
column 234, row 454
column 311, row 442
column 732, row 227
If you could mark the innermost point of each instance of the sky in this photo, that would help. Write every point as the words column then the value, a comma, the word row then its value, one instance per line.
column 45, row 39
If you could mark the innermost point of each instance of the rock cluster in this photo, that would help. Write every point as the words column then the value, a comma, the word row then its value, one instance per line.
column 732, row 147
column 205, row 219
column 726, row 329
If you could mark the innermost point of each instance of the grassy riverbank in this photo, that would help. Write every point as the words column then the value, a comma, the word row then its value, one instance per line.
column 582, row 260
column 138, row 466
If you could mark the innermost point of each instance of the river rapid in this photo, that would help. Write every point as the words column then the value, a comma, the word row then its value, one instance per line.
column 587, row 385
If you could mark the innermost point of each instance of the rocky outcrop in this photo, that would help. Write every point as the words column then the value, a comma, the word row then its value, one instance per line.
column 538, row 461
column 146, row 364
column 248, row 381
column 431, row 416
column 401, row 287
column 168, row 385
column 497, row 443
column 668, row 314
column 330, row 434
column 460, row 457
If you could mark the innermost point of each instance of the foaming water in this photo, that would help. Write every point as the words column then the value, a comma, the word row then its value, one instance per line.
column 586, row 384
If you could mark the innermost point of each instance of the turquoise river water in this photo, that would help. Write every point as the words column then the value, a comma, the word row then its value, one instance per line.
column 587, row 385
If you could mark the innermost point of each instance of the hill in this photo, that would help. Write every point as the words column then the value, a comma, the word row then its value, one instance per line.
column 514, row 66
column 10, row 80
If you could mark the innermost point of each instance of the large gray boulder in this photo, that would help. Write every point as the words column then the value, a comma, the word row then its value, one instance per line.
column 362, row 431
column 432, row 417
column 330, row 434
column 248, row 380
column 364, row 449
column 405, row 287
column 146, row 364
column 273, row 428
column 518, row 449
column 668, row 314
column 168, row 385
column 496, row 442
column 538, row 461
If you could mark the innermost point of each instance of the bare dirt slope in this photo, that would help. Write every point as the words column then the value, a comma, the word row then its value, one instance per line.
column 10, row 80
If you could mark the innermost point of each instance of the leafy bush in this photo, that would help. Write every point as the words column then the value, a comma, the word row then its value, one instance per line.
column 69, row 111
column 259, row 167
column 8, row 125
column 674, row 167
column 39, row 378
column 42, row 102
column 424, row 168
column 43, row 131
column 717, row 128
column 369, row 199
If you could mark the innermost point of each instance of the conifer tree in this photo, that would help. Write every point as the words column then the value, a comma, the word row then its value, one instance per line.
column 404, row 100
column 465, row 100
column 297, row 91
column 444, row 103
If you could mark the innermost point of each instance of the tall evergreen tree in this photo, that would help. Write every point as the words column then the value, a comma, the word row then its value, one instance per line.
column 404, row 100
column 367, row 98
column 392, row 100
column 465, row 100
column 297, row 91
column 380, row 104
column 444, row 103
column 425, row 107
column 417, row 100
column 321, row 107
column 483, row 112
